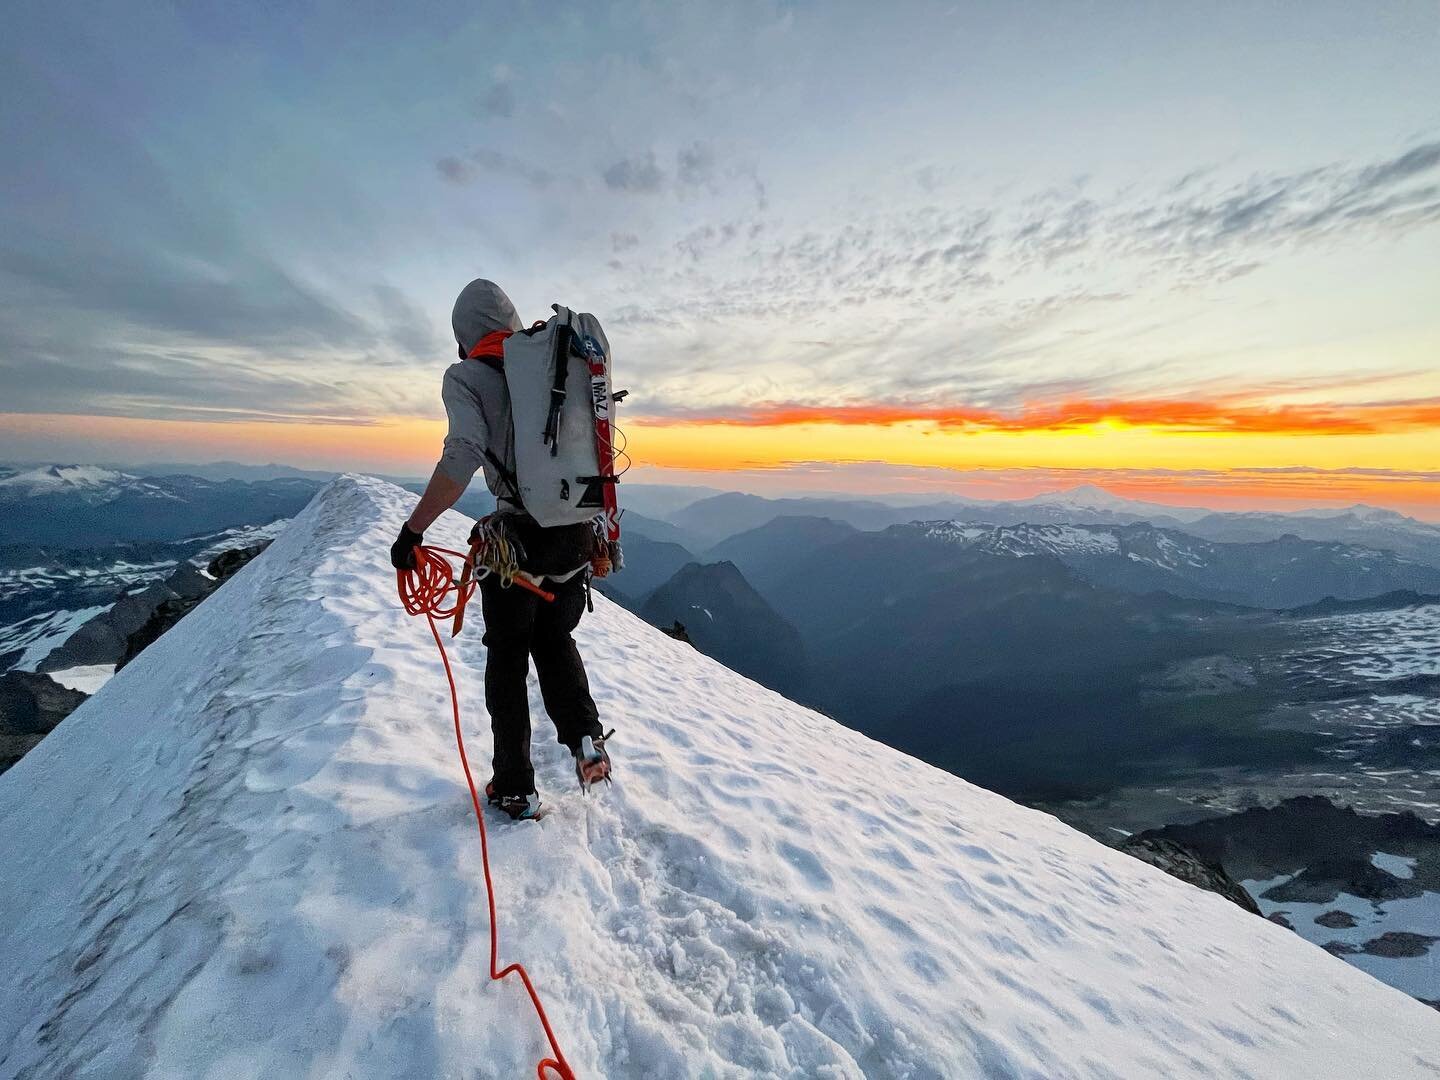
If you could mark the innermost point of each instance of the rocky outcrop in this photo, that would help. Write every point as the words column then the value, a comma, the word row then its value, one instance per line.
column 103, row 639
column 30, row 706
column 1392, row 945
column 1399, row 944
column 1326, row 849
column 678, row 632
column 171, row 610
column 1181, row 862
column 1326, row 878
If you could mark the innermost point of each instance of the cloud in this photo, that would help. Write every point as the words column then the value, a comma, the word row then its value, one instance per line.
column 454, row 170
column 640, row 174
column 498, row 99
column 623, row 241
column 1294, row 207
column 497, row 163
column 1420, row 159
column 991, row 269
column 695, row 166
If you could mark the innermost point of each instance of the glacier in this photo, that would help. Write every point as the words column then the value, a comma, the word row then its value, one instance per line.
column 252, row 854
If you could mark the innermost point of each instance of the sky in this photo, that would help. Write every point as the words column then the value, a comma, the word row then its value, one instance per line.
column 1190, row 253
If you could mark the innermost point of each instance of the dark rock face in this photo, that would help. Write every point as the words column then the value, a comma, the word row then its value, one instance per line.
column 1399, row 944
column 1279, row 919
column 1393, row 945
column 171, row 610
column 1327, row 847
column 1181, row 862
column 30, row 706
column 165, row 615
column 1324, row 878
column 1336, row 920
column 103, row 639
column 678, row 633
column 224, row 566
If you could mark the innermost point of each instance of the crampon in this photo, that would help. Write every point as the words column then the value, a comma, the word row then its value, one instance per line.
column 592, row 763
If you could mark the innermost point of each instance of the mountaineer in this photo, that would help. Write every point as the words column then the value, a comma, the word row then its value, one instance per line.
column 488, row 399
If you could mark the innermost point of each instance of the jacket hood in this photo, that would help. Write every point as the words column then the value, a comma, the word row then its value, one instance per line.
column 481, row 308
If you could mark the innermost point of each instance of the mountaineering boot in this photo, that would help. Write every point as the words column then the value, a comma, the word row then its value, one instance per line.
column 519, row 807
column 592, row 763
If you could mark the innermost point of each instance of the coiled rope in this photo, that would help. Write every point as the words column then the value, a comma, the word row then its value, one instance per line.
column 423, row 591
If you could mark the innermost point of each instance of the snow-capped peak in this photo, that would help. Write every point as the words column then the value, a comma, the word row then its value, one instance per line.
column 251, row 854
column 1091, row 497
column 51, row 478
column 1079, row 495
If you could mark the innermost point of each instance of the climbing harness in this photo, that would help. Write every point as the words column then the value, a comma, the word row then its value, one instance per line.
column 492, row 551
column 423, row 591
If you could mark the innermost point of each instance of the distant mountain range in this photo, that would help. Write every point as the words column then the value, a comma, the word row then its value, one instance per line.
column 1277, row 573
column 1367, row 526
column 86, row 506
column 719, row 517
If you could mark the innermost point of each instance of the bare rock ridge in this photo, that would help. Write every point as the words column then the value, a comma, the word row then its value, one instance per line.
column 171, row 610
column 31, row 705
column 1181, row 862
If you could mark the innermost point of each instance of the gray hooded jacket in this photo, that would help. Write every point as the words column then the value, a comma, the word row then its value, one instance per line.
column 476, row 401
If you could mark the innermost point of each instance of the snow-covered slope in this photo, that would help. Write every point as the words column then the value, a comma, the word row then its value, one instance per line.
column 251, row 854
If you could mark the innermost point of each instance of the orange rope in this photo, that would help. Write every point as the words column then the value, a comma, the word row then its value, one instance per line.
column 422, row 592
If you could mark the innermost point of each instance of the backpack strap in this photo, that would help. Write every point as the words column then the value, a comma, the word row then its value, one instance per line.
column 490, row 351
column 564, row 335
column 506, row 477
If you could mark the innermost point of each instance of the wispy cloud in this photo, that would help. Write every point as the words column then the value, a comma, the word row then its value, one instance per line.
column 498, row 99
column 487, row 160
column 1191, row 232
column 640, row 174
column 692, row 167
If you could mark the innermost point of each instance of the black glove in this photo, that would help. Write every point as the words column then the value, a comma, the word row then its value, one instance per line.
column 402, row 552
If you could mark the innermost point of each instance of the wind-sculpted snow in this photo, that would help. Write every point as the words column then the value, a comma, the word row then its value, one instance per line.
column 251, row 855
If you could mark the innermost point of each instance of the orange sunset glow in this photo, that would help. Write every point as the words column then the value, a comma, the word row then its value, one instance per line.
column 1182, row 453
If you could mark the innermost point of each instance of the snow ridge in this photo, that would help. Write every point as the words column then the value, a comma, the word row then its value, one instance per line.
column 255, row 858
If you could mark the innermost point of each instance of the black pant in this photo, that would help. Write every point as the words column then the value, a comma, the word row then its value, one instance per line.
column 519, row 625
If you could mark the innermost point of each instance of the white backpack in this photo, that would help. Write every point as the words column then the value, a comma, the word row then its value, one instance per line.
column 561, row 402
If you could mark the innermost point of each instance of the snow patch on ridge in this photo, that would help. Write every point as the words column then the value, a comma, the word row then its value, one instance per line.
column 256, row 858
